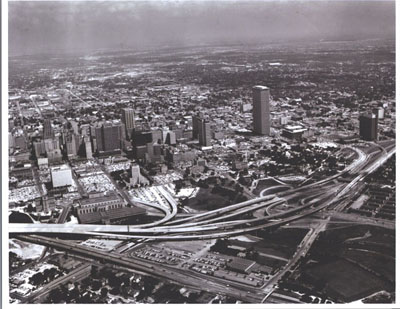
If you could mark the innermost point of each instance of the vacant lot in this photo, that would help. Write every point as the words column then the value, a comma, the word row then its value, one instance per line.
column 349, row 263
column 208, row 199
column 346, row 281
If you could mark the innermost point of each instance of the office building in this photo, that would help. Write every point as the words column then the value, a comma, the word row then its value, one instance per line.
column 11, row 140
column 246, row 107
column 196, row 123
column 10, row 124
column 283, row 120
column 74, row 126
column 43, row 163
column 157, row 136
column 205, row 133
column 71, row 145
column 39, row 148
column 88, row 148
column 20, row 142
column 170, row 138
column 61, row 176
column 294, row 132
column 108, row 138
column 128, row 119
column 135, row 179
column 369, row 127
column 140, row 139
column 54, row 156
column 51, row 144
column 379, row 112
column 261, row 112
column 47, row 129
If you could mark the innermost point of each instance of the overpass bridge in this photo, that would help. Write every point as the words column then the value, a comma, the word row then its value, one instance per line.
column 226, row 221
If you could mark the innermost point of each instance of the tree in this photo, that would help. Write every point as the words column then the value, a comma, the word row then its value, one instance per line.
column 56, row 296
column 29, row 208
column 37, row 279
column 96, row 284
column 104, row 292
column 306, row 298
column 94, row 272
column 220, row 245
column 251, row 254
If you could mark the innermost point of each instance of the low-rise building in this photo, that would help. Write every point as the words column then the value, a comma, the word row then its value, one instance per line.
column 105, row 209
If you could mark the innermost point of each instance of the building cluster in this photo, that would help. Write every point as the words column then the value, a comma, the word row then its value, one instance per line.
column 132, row 125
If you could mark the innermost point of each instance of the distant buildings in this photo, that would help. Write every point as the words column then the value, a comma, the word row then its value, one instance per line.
column 170, row 138
column 181, row 153
column 293, row 131
column 283, row 120
column 61, row 176
column 128, row 119
column 261, row 112
column 369, row 127
column 246, row 107
column 379, row 112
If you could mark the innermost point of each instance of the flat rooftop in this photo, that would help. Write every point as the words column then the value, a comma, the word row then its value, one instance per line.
column 259, row 87
column 112, row 196
column 60, row 167
column 112, row 214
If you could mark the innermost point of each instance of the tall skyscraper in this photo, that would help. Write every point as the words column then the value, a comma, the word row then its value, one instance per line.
column 369, row 127
column 140, row 139
column 47, row 129
column 88, row 148
column 108, row 138
column 196, row 122
column 71, row 145
column 128, row 119
column 74, row 126
column 261, row 113
column 205, row 133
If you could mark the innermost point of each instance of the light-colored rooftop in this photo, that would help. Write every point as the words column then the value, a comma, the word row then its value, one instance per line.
column 293, row 127
column 60, row 167
column 259, row 87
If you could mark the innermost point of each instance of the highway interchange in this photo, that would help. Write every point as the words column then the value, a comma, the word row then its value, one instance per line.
column 294, row 204
column 228, row 221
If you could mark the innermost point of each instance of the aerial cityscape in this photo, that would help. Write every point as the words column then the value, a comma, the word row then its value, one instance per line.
column 238, row 172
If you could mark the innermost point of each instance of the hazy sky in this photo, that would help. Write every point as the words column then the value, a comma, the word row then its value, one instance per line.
column 39, row 27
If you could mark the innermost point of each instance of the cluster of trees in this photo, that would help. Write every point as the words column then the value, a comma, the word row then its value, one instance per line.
column 44, row 277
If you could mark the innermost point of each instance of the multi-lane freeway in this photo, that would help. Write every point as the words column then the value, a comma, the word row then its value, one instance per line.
column 228, row 221
column 328, row 194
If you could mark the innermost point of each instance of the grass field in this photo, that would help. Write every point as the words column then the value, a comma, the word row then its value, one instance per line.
column 207, row 200
column 350, row 263
column 346, row 280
